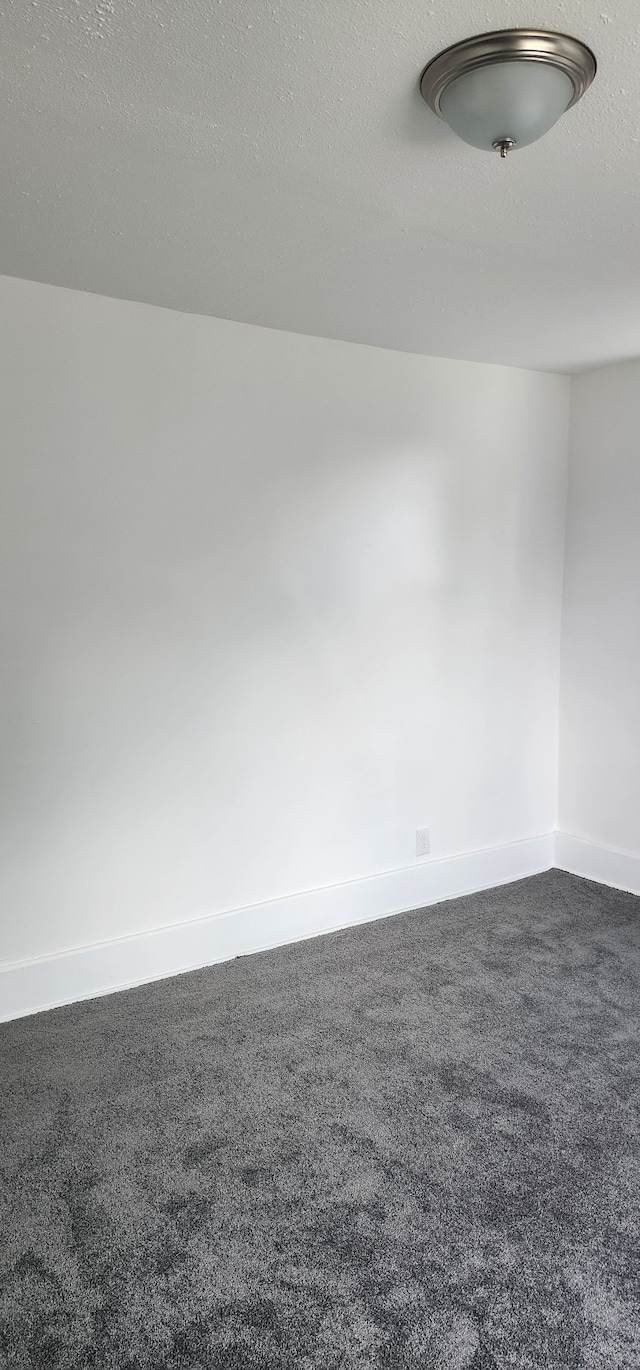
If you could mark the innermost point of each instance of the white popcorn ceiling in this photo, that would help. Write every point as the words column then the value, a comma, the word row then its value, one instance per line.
column 272, row 161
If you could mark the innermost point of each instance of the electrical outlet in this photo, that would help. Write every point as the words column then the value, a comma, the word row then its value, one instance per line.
column 423, row 842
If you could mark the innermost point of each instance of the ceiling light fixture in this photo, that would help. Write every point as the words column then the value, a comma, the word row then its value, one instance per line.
column 501, row 91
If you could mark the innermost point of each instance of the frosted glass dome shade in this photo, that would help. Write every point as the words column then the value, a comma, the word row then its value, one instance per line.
column 514, row 100
column 502, row 90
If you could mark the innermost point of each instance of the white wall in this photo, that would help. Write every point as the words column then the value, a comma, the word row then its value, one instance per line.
column 270, row 603
column 599, row 792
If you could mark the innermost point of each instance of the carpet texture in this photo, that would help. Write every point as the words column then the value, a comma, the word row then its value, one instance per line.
column 411, row 1144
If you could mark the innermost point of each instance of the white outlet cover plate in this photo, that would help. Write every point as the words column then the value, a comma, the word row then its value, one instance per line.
column 423, row 842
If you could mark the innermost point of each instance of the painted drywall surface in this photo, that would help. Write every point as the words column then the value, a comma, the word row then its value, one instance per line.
column 599, row 790
column 269, row 604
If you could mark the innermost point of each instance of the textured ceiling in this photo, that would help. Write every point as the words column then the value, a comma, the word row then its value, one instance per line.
column 271, row 161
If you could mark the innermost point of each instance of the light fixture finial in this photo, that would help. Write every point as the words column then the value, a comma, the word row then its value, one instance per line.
column 504, row 145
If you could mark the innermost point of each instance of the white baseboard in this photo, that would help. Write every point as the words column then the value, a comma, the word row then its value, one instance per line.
column 50, row 981
column 593, row 862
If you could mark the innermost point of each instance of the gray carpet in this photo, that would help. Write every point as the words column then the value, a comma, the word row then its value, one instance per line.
column 411, row 1144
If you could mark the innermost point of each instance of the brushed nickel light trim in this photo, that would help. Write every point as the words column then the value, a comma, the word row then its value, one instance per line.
column 574, row 58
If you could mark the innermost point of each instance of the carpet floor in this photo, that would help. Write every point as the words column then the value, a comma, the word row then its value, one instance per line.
column 411, row 1144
